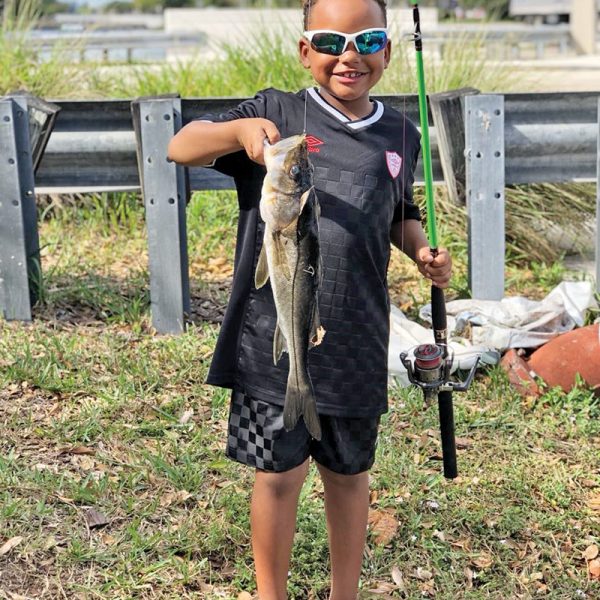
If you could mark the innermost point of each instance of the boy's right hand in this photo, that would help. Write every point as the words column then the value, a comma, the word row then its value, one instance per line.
column 252, row 134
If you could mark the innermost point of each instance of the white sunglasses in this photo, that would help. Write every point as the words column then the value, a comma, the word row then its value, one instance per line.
column 328, row 41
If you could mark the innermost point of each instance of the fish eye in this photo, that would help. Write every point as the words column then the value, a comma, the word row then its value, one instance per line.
column 295, row 170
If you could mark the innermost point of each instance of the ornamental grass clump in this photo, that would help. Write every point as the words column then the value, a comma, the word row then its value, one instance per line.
column 21, row 67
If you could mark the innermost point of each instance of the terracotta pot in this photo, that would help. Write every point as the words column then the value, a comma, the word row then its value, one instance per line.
column 577, row 351
column 518, row 374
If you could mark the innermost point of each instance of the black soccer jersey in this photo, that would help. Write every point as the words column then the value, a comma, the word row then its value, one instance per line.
column 364, row 171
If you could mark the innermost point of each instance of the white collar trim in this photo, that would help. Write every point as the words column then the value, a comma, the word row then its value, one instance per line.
column 314, row 94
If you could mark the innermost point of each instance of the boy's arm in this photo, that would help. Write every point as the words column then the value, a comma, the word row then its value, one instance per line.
column 199, row 143
column 408, row 236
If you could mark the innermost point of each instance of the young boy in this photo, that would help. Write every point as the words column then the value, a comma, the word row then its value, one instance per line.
column 364, row 156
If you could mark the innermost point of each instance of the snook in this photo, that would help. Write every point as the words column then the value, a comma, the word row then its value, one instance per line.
column 290, row 258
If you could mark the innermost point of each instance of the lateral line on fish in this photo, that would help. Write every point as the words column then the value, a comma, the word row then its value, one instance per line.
column 297, row 369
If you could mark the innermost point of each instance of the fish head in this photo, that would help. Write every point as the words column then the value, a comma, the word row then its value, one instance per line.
column 288, row 166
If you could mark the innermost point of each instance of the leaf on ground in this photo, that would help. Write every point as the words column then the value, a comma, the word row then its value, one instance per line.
column 463, row 443
column 591, row 552
column 383, row 587
column 76, row 450
column 244, row 596
column 483, row 561
column 469, row 577
column 186, row 416
column 464, row 544
column 594, row 502
column 594, row 568
column 383, row 525
column 440, row 535
column 423, row 574
column 397, row 578
column 108, row 539
column 178, row 497
column 10, row 544
column 95, row 518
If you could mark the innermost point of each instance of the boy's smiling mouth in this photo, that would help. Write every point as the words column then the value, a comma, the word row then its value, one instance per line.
column 349, row 75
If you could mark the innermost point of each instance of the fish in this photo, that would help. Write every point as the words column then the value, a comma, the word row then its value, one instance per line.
column 290, row 258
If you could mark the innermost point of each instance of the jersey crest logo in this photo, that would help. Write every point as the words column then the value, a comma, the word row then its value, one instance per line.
column 394, row 162
column 313, row 143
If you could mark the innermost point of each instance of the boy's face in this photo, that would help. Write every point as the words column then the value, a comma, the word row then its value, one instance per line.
column 348, row 78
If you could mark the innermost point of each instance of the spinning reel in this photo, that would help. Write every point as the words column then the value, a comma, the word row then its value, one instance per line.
column 429, row 368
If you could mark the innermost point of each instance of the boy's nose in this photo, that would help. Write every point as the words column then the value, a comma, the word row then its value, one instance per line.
column 352, row 49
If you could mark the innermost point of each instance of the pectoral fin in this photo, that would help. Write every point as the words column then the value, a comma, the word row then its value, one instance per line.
column 279, row 344
column 304, row 198
column 261, row 276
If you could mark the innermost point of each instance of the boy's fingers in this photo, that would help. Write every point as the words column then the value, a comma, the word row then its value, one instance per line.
column 272, row 133
column 425, row 255
column 257, row 151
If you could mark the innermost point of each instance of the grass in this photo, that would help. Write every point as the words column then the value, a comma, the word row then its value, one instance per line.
column 55, row 76
column 98, row 412
column 272, row 60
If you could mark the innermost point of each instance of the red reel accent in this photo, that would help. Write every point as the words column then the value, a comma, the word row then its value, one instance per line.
column 428, row 356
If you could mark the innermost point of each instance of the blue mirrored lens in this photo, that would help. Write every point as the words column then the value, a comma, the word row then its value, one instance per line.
column 329, row 43
column 371, row 42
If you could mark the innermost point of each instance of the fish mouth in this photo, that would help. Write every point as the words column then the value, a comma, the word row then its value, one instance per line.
column 276, row 153
column 288, row 143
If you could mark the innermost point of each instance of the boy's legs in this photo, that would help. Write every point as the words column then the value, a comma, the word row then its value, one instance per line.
column 258, row 438
column 347, row 511
column 273, row 523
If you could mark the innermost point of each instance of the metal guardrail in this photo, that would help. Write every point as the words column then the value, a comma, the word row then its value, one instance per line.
column 110, row 45
column 502, row 40
column 93, row 145
column 480, row 142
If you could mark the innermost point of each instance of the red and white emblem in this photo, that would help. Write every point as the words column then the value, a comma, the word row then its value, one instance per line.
column 394, row 162
column 313, row 143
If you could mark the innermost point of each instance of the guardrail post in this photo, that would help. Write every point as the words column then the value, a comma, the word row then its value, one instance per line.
column 163, row 186
column 598, row 207
column 20, row 271
column 484, row 152
column 447, row 110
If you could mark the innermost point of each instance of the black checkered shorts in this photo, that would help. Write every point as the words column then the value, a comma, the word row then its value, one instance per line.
column 257, row 438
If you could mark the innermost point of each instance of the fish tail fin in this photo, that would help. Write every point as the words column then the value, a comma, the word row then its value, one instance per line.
column 300, row 401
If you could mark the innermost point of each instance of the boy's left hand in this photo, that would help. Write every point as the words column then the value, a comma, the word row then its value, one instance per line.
column 438, row 269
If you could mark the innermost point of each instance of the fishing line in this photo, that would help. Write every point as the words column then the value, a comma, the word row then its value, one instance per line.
column 309, row 3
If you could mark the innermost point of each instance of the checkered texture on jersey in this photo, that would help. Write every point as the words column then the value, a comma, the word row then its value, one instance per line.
column 360, row 199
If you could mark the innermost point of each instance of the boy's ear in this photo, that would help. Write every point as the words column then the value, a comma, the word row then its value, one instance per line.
column 303, row 48
column 387, row 54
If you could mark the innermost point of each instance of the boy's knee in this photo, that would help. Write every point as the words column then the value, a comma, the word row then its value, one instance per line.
column 330, row 477
column 283, row 483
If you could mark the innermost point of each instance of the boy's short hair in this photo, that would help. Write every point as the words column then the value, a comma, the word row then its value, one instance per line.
column 308, row 4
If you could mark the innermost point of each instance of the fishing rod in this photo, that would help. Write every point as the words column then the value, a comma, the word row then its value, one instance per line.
column 430, row 364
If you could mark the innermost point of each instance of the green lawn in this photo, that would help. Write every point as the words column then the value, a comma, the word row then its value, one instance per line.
column 98, row 413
